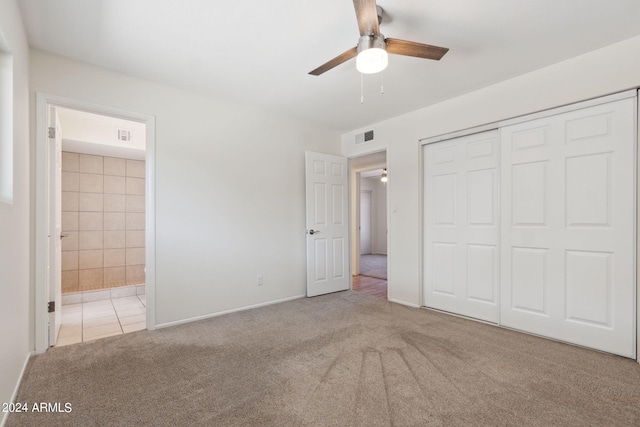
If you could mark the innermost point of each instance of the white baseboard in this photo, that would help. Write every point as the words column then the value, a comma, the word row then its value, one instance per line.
column 220, row 313
column 404, row 303
column 17, row 387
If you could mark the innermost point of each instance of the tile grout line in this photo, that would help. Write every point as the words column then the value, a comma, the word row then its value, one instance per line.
column 84, row 309
column 117, row 316
column 82, row 322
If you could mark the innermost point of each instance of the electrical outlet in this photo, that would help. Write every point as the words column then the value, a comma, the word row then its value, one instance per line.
column 259, row 280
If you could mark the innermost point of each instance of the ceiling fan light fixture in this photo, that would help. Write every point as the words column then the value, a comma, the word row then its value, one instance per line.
column 372, row 54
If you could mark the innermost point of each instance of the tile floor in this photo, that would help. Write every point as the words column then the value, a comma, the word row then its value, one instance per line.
column 90, row 320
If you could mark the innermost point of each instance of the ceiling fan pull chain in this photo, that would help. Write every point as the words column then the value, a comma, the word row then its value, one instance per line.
column 361, row 88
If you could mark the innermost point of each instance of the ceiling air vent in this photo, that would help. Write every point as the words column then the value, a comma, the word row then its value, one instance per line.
column 367, row 136
column 124, row 135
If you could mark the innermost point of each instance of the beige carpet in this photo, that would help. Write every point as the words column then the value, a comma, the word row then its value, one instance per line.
column 374, row 265
column 344, row 359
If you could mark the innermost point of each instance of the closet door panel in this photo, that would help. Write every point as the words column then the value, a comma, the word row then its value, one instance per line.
column 461, row 224
column 567, row 231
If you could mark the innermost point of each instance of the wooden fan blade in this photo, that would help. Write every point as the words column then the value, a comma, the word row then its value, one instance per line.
column 419, row 50
column 335, row 62
column 367, row 16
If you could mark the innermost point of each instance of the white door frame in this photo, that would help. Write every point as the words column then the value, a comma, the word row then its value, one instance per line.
column 55, row 225
column 370, row 193
column 43, row 101
column 638, row 227
column 354, row 208
column 354, row 215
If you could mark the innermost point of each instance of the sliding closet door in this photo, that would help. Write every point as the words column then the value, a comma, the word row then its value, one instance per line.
column 567, row 235
column 461, row 223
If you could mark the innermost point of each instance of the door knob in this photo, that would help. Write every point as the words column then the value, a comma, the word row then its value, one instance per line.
column 62, row 236
column 312, row 231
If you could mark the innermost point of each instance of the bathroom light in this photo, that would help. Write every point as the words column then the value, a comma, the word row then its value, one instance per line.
column 383, row 178
column 372, row 55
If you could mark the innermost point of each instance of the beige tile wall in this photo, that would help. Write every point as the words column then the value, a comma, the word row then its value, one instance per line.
column 103, row 200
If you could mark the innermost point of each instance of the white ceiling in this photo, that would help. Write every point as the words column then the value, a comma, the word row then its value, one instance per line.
column 368, row 162
column 90, row 133
column 260, row 51
column 372, row 174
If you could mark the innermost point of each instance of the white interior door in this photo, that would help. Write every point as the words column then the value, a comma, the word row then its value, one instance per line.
column 461, row 225
column 365, row 222
column 568, row 235
column 55, row 225
column 327, row 223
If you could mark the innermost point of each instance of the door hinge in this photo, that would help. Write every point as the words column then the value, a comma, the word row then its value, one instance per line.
column 52, row 132
column 51, row 307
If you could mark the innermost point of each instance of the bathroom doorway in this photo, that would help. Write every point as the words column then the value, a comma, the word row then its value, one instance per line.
column 103, row 226
column 98, row 278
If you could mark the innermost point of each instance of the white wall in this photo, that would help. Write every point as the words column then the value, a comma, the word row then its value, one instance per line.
column 229, row 189
column 15, row 279
column 378, row 213
column 604, row 71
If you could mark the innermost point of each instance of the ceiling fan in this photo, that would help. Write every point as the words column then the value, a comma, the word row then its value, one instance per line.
column 373, row 47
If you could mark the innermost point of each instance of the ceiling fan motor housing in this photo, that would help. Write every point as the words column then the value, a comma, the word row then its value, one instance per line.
column 371, row 42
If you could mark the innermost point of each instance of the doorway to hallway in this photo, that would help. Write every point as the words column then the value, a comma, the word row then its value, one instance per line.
column 369, row 223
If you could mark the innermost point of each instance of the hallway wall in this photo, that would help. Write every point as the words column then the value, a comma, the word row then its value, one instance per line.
column 379, row 213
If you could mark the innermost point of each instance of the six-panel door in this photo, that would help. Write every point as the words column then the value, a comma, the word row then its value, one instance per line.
column 568, row 215
column 327, row 223
column 461, row 223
